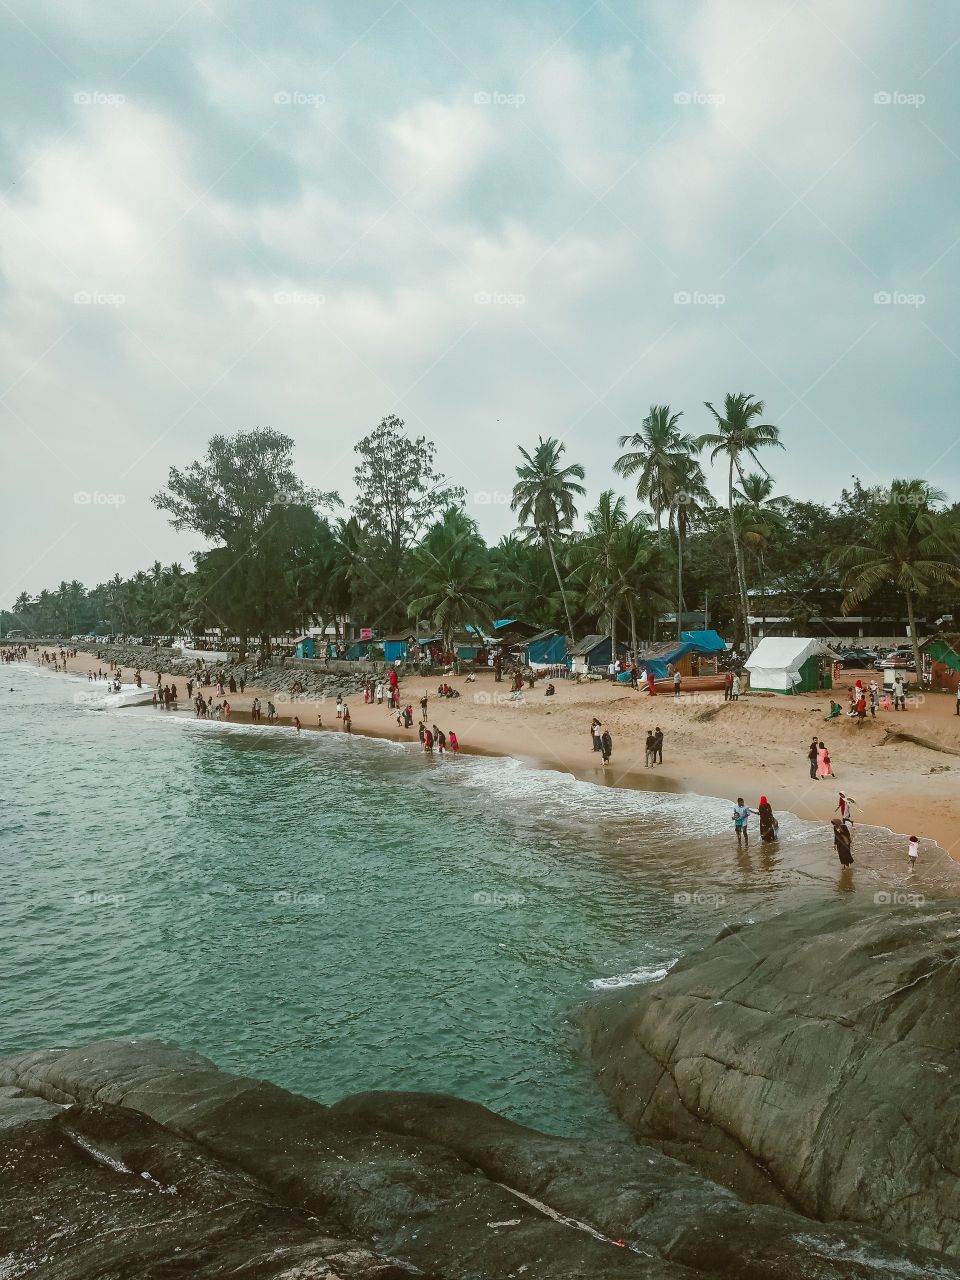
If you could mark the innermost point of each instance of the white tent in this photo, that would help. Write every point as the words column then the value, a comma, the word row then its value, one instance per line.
column 776, row 663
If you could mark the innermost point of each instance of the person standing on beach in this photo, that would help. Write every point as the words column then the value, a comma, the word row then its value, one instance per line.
column 913, row 851
column 606, row 747
column 812, row 756
column 347, row 724
column 842, row 841
column 728, row 686
column 824, row 768
column 651, row 749
column 735, row 687
column 596, row 729
column 454, row 744
column 676, row 684
column 423, row 708
column 651, row 683
column 899, row 692
column 339, row 706
column 741, row 819
column 296, row 721
column 769, row 831
column 658, row 745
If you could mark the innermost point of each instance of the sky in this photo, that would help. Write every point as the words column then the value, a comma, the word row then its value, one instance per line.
column 496, row 221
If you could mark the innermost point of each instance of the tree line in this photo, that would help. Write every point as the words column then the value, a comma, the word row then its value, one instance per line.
column 284, row 557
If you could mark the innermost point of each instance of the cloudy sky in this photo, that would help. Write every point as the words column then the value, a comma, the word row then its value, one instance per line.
column 494, row 220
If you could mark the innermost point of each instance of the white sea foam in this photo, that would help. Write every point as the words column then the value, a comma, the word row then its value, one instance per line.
column 636, row 978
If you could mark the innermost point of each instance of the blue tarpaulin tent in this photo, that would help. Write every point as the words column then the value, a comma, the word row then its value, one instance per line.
column 670, row 652
column 705, row 641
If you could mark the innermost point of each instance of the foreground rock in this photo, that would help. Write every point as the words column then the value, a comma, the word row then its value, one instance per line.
column 813, row 1058
column 133, row 1159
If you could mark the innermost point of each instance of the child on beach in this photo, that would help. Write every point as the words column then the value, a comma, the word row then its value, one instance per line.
column 741, row 819
column 913, row 851
column 454, row 744
column 339, row 706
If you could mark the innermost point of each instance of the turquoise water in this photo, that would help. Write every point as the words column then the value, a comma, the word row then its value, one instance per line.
column 306, row 909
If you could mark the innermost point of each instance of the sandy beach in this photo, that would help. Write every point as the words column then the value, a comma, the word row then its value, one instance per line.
column 756, row 746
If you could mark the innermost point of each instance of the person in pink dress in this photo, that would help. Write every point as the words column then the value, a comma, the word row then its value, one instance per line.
column 824, row 768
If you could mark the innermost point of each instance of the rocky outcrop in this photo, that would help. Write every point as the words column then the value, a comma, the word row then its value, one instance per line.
column 811, row 1059
column 134, row 1159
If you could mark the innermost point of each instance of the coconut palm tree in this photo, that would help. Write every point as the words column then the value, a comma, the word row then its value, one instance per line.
column 595, row 555
column 908, row 545
column 656, row 456
column 738, row 434
column 690, row 499
column 452, row 576
column 544, row 499
column 766, row 511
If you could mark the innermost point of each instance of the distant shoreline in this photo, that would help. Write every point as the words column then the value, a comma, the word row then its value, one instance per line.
column 716, row 749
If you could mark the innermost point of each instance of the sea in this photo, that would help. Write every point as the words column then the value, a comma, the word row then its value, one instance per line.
column 339, row 913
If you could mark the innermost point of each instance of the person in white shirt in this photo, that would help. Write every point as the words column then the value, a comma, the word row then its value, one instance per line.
column 913, row 850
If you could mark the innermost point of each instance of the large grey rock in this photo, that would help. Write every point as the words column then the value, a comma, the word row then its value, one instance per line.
column 813, row 1057
column 173, row 1167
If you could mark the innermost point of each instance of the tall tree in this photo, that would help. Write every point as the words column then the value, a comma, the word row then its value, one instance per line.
column 451, row 576
column 656, row 455
column 738, row 434
column 908, row 544
column 544, row 499
column 245, row 496
column 766, row 511
column 399, row 492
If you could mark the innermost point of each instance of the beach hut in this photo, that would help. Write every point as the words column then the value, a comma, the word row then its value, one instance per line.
column 306, row 647
column 791, row 664
column 593, row 653
column 395, row 646
column 547, row 648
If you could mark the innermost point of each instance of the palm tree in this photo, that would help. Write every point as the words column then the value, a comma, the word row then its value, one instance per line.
column 596, row 553
column 690, row 499
column 738, row 434
column 544, row 497
column 766, row 511
column 905, row 546
column 641, row 574
column 453, row 577
column 658, row 452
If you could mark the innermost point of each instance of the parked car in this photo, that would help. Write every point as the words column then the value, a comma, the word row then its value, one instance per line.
column 857, row 657
column 902, row 656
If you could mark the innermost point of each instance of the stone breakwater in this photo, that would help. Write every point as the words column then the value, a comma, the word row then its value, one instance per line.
column 136, row 1159
column 318, row 680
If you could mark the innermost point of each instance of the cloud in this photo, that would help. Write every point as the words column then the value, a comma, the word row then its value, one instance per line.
column 484, row 228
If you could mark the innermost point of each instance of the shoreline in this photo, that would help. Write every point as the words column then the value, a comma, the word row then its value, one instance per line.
column 715, row 749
